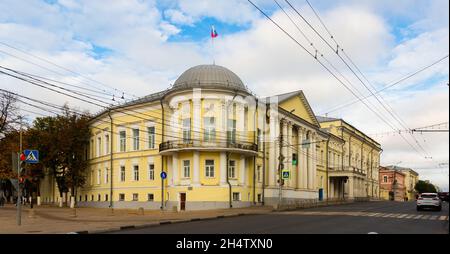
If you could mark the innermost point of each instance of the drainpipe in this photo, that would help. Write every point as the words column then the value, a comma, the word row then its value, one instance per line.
column 111, row 160
column 255, row 137
column 264, row 153
column 162, row 156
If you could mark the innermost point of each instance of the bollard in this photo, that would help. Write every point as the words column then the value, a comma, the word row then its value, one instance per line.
column 72, row 202
column 38, row 200
column 31, row 213
column 140, row 211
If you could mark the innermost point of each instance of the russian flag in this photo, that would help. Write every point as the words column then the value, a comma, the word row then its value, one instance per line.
column 214, row 33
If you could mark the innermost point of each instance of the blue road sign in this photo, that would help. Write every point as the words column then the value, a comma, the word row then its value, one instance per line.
column 163, row 175
column 286, row 174
column 31, row 156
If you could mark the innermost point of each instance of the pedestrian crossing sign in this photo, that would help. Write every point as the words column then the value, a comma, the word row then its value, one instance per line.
column 31, row 156
column 286, row 174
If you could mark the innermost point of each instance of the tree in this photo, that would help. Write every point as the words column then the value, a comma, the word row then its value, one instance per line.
column 8, row 112
column 423, row 187
column 62, row 142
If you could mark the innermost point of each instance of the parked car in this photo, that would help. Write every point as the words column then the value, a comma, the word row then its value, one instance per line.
column 443, row 196
column 429, row 200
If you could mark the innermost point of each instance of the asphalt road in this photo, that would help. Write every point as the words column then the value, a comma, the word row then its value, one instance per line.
column 357, row 218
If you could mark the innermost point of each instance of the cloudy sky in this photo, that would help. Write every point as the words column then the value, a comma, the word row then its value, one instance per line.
column 136, row 48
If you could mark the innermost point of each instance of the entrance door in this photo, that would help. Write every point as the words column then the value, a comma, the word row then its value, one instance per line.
column 182, row 201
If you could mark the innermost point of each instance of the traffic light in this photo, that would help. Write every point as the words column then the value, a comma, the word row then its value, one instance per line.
column 294, row 159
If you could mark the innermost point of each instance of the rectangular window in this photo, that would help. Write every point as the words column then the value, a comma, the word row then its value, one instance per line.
column 99, row 197
column 186, row 169
column 232, row 169
column 231, row 133
column 210, row 129
column 209, row 168
column 123, row 141
column 106, row 144
column 135, row 197
column 92, row 197
column 259, row 198
column 92, row 148
column 106, row 175
column 99, row 146
column 187, row 130
column 136, row 173
column 236, row 196
column 99, row 176
column 385, row 179
column 151, row 172
column 150, row 197
column 121, row 197
column 122, row 173
column 135, row 139
column 106, row 197
column 151, row 137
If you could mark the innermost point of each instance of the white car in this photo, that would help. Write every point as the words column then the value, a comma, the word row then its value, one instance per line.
column 429, row 200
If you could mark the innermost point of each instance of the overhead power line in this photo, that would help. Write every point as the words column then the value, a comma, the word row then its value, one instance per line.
column 326, row 68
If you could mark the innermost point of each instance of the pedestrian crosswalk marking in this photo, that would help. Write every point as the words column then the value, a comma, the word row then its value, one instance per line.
column 369, row 214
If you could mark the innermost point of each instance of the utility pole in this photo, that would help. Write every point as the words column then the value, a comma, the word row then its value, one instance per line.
column 280, row 169
column 19, row 189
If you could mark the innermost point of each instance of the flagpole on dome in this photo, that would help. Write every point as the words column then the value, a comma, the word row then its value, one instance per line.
column 214, row 34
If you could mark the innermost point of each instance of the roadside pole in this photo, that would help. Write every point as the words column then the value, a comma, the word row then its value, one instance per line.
column 19, row 191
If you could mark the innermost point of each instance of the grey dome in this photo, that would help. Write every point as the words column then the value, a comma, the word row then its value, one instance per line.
column 209, row 76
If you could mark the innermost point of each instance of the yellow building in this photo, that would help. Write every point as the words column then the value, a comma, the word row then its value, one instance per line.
column 356, row 161
column 218, row 144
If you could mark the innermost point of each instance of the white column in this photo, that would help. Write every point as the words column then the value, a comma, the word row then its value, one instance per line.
column 289, row 154
column 271, row 167
column 310, row 163
column 300, row 160
column 350, row 187
column 175, row 169
column 314, row 160
column 285, row 144
column 223, row 168
column 196, row 162
column 196, row 114
column 240, row 124
column 242, row 172
column 304, row 162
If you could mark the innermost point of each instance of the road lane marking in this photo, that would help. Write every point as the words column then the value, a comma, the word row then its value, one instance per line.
column 443, row 218
column 410, row 216
column 434, row 217
column 386, row 215
column 418, row 217
column 402, row 216
column 425, row 217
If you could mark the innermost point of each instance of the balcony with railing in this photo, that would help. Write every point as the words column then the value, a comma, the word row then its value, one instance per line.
column 243, row 147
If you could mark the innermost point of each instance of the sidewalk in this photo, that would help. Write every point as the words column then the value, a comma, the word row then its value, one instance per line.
column 55, row 220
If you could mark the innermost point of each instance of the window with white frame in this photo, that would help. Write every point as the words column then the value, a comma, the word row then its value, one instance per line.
column 209, row 124
column 151, row 137
column 135, row 197
column 106, row 175
column 122, row 173
column 187, row 130
column 99, row 146
column 151, row 171
column 106, row 144
column 231, row 133
column 209, row 168
column 186, row 169
column 123, row 140
column 99, row 176
column 232, row 169
column 136, row 173
column 135, row 139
